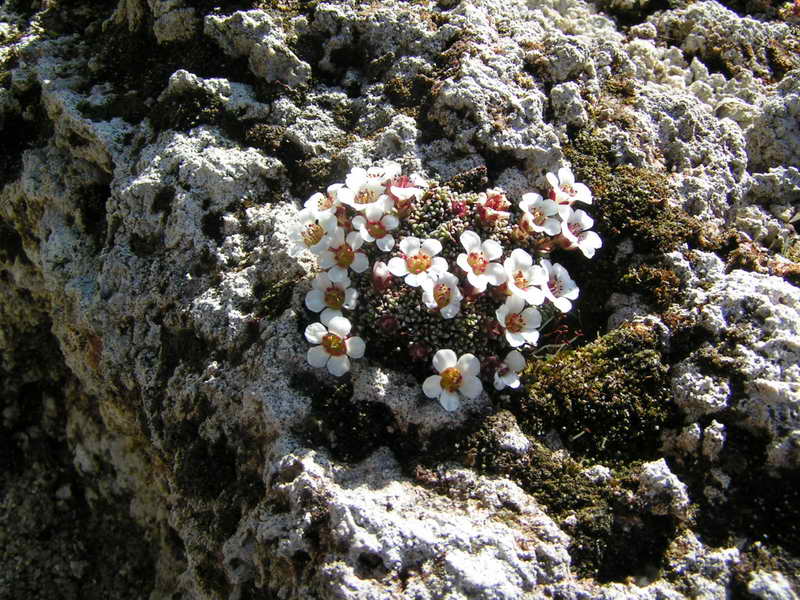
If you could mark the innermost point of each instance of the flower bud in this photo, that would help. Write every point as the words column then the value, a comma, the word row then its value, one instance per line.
column 458, row 207
column 381, row 277
column 493, row 328
column 418, row 352
column 388, row 324
column 490, row 365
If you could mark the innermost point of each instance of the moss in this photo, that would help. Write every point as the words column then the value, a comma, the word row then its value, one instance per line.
column 608, row 399
column 660, row 286
column 629, row 202
column 613, row 538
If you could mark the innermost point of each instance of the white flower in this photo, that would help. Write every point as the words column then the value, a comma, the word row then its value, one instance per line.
column 575, row 230
column 334, row 345
column 507, row 374
column 342, row 254
column 420, row 263
column 405, row 188
column 324, row 204
column 443, row 295
column 524, row 278
column 559, row 287
column 565, row 191
column 366, row 187
column 520, row 323
column 455, row 376
column 330, row 297
column 493, row 205
column 539, row 215
column 374, row 226
column 476, row 261
column 310, row 232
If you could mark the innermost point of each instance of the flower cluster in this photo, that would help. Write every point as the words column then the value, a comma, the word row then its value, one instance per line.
column 430, row 274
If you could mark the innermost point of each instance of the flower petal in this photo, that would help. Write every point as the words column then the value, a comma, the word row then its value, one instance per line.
column 438, row 266
column 565, row 176
column 360, row 262
column 390, row 222
column 329, row 313
column 338, row 365
column 471, row 386
column 514, row 339
column 461, row 261
column 515, row 361
column 317, row 357
column 315, row 332
column 471, row 241
column 386, row 243
column 477, row 281
column 432, row 386
column 492, row 249
column 355, row 347
column 444, row 359
column 326, row 260
column 397, row 266
column 340, row 326
column 337, row 274
column 468, row 364
column 496, row 274
column 511, row 379
column 552, row 180
column 315, row 301
column 533, row 318
column 431, row 247
column 451, row 310
column 350, row 298
column 562, row 304
column 409, row 245
column 449, row 401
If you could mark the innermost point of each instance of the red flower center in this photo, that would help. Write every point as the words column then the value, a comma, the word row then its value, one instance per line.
column 334, row 345
column 442, row 294
column 515, row 322
column 334, row 297
column 376, row 229
column 478, row 262
column 554, row 285
column 344, row 255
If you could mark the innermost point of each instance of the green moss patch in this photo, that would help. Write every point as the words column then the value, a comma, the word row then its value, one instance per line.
column 608, row 399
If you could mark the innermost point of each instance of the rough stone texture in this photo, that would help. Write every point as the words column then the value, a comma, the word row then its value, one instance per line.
column 154, row 392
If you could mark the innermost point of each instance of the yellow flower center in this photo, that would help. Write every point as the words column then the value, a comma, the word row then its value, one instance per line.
column 365, row 197
column 344, row 255
column 520, row 281
column 312, row 234
column 442, row 294
column 451, row 379
column 334, row 345
column 334, row 297
column 538, row 216
column 515, row 323
column 419, row 263
column 568, row 189
column 478, row 262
